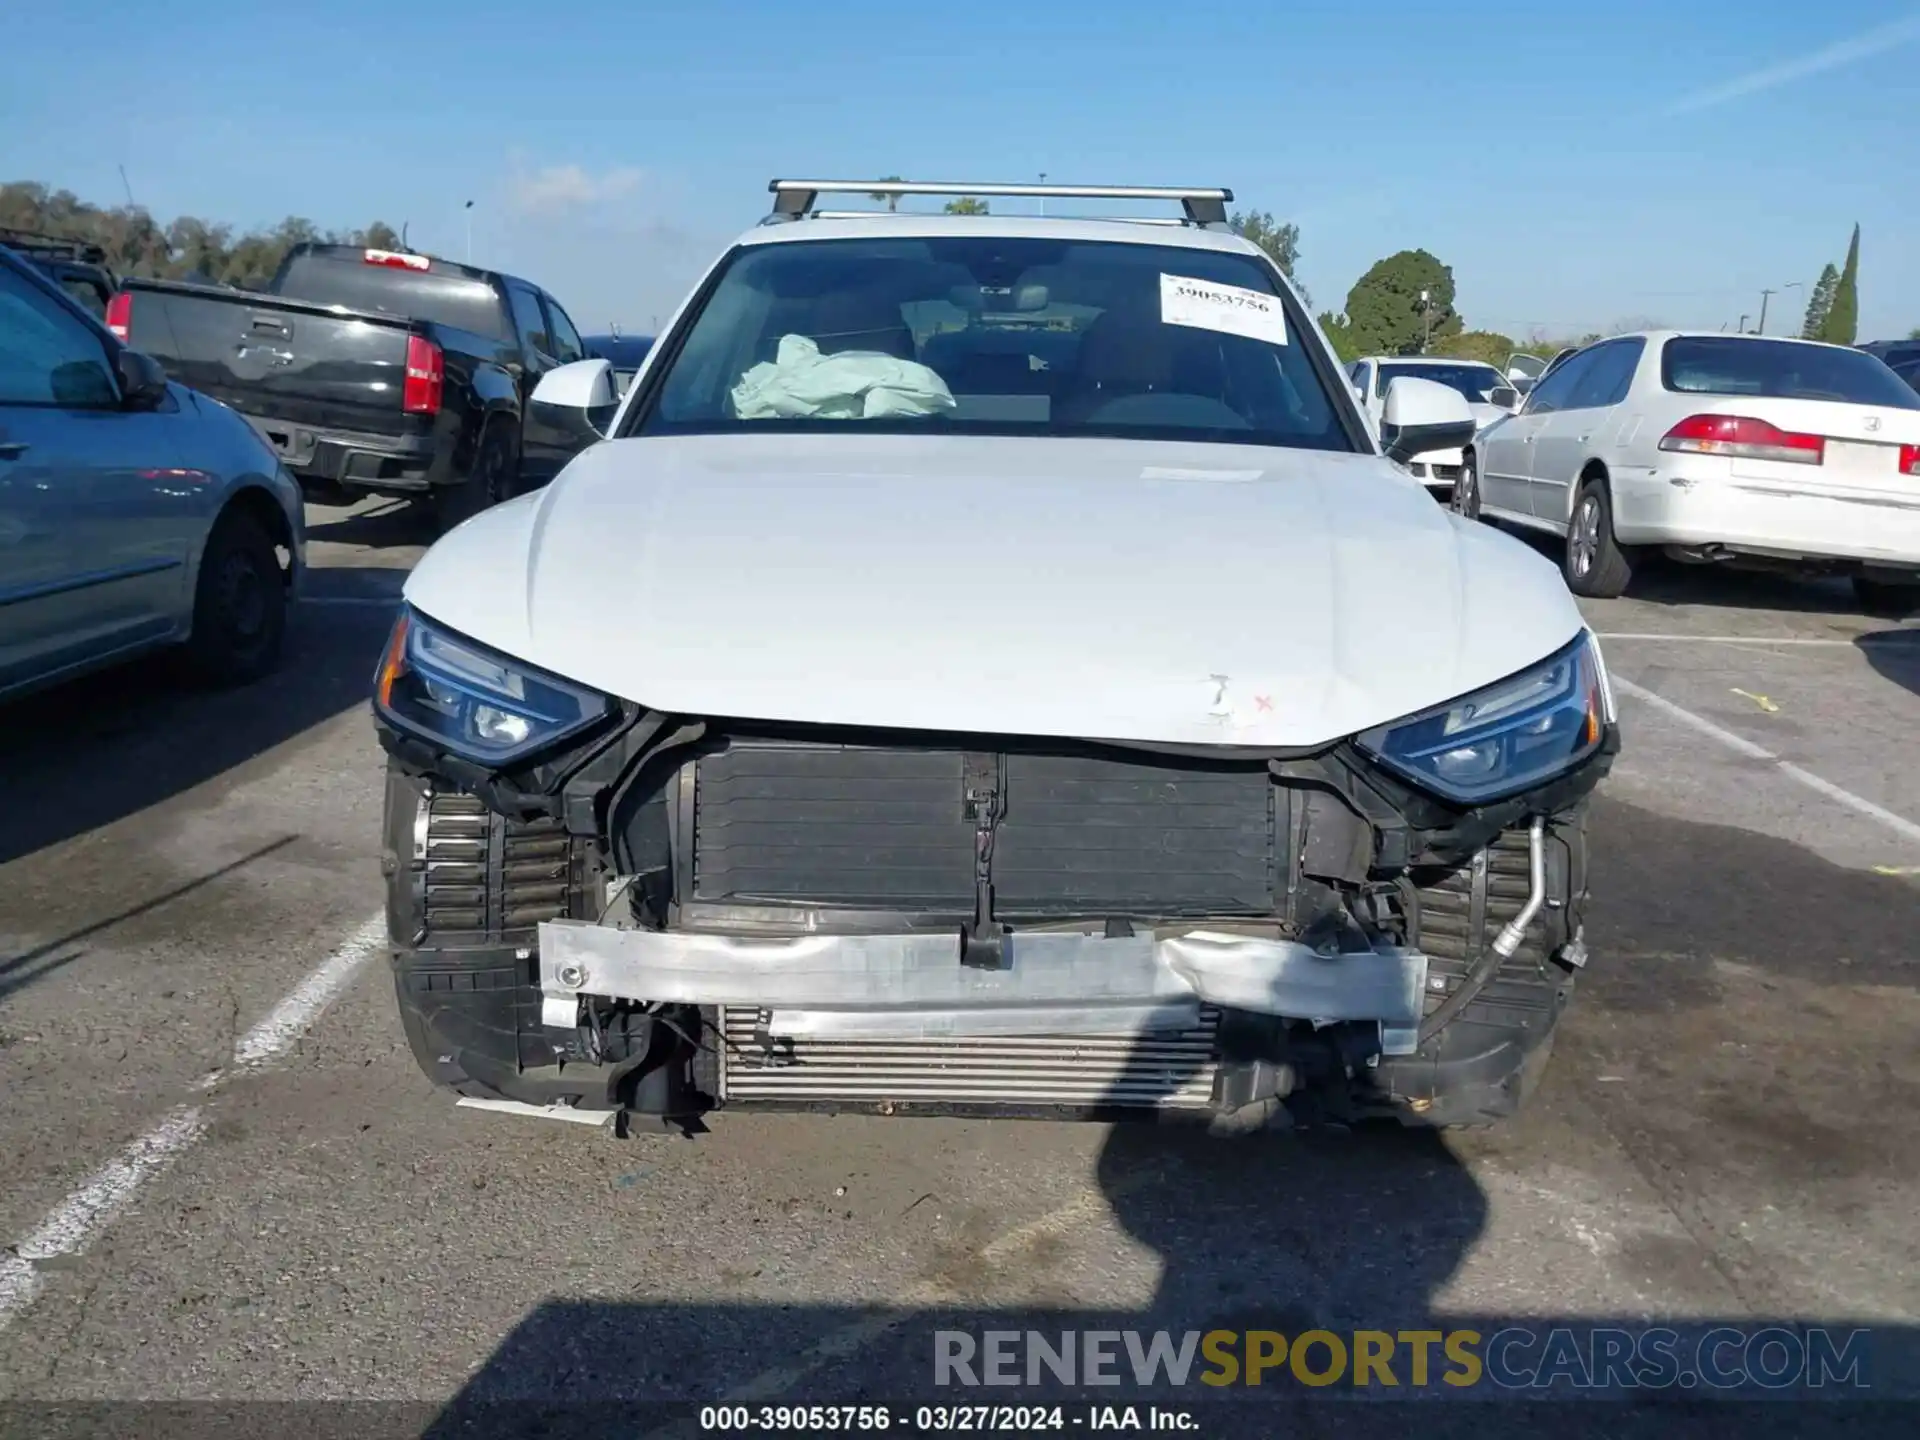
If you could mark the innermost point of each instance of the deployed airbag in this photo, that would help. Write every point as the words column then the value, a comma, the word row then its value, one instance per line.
column 802, row 384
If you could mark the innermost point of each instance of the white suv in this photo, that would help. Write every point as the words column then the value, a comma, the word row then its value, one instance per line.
column 1712, row 447
column 1488, row 393
column 990, row 663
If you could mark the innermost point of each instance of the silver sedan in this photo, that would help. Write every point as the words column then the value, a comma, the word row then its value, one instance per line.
column 135, row 514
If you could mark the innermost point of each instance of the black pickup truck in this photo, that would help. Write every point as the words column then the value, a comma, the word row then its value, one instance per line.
column 78, row 267
column 374, row 371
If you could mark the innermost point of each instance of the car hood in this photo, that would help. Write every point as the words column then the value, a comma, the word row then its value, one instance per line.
column 1101, row 589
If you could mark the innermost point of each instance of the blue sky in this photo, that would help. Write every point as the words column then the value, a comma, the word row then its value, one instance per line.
column 1576, row 165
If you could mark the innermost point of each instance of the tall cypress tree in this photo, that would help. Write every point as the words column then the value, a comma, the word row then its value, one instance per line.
column 1820, row 303
column 1844, row 318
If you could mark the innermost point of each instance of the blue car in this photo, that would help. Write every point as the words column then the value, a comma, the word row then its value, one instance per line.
column 135, row 514
column 623, row 352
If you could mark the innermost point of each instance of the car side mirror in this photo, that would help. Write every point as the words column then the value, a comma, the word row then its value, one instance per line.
column 143, row 384
column 580, row 397
column 1422, row 416
column 1506, row 397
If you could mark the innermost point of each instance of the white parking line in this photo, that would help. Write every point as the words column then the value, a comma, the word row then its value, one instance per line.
column 72, row 1224
column 291, row 1018
column 1881, row 639
column 76, row 1219
column 1899, row 824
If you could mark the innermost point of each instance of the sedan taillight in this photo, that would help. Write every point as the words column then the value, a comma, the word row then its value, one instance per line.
column 1745, row 438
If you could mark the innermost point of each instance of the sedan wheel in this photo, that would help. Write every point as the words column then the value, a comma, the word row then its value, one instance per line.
column 1596, row 564
column 1466, row 490
column 1583, row 540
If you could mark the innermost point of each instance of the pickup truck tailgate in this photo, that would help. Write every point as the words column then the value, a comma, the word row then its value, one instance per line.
column 279, row 360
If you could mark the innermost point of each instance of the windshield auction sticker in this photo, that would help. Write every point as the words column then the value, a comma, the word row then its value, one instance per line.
column 1204, row 305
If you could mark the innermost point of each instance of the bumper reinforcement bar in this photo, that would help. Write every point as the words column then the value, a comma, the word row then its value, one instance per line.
column 914, row 986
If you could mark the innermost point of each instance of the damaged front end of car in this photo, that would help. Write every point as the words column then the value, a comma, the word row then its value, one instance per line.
column 600, row 906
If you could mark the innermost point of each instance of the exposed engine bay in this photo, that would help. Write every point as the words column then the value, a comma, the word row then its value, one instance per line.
column 681, row 914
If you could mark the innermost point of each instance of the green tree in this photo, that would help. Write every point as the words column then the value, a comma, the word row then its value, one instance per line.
column 1820, row 303
column 893, row 201
column 1340, row 335
column 187, row 246
column 1843, row 319
column 1281, row 241
column 377, row 236
column 1384, row 311
column 966, row 205
column 1489, row 346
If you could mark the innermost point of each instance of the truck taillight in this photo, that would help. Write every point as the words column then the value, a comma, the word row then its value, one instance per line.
column 426, row 377
column 120, row 315
column 1745, row 438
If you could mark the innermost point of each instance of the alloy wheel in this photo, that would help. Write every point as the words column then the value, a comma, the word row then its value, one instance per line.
column 1584, row 543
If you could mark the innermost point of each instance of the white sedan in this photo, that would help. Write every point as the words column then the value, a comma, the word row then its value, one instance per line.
column 1712, row 447
column 1490, row 396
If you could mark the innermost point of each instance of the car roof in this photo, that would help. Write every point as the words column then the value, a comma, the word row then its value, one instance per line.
column 1661, row 336
column 1424, row 360
column 883, row 225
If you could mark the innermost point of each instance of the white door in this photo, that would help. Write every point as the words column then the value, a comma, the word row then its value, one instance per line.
column 1506, row 447
column 1582, row 427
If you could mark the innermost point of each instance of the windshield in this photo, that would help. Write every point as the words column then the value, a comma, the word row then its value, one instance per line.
column 1781, row 370
column 991, row 335
column 1476, row 382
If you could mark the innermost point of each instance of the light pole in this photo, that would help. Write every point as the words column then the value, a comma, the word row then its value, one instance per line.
column 1790, row 285
column 1426, row 322
column 1043, row 199
column 469, row 210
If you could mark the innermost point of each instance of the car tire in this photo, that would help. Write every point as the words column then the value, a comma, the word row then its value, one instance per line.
column 1888, row 599
column 239, row 604
column 1596, row 565
column 490, row 481
column 1466, row 490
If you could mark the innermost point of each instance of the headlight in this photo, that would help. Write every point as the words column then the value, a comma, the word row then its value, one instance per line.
column 1508, row 737
column 480, row 704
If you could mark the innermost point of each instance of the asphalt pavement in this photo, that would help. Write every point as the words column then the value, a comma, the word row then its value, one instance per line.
column 225, row 1180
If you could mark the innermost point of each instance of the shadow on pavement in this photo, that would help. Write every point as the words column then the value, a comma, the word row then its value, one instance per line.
column 91, row 752
column 19, row 971
column 377, row 523
column 1294, row 1244
column 1661, row 581
column 1668, row 582
column 1671, row 896
column 1894, row 655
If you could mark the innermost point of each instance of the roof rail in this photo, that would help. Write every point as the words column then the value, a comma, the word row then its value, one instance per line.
column 794, row 199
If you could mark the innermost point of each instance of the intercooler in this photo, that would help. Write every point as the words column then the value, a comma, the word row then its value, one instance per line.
column 1167, row 1071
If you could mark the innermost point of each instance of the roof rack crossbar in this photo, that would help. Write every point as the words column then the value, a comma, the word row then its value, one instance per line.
column 1203, row 207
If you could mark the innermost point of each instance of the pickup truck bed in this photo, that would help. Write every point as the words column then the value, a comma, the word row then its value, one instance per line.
column 326, row 385
column 372, row 371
